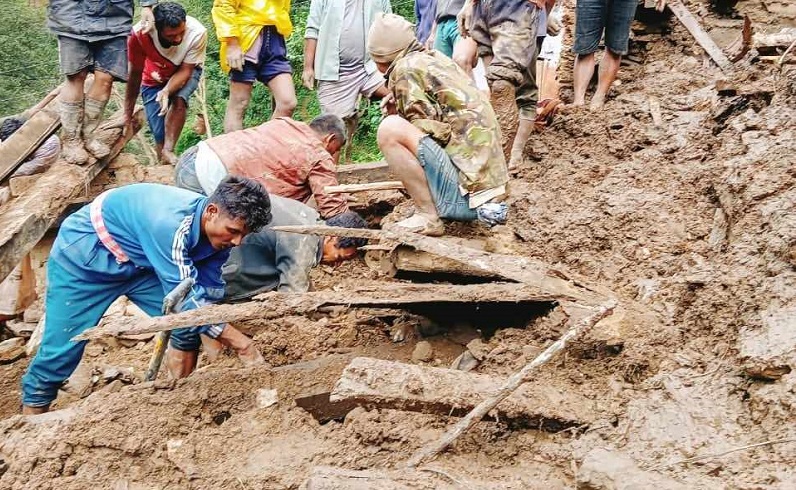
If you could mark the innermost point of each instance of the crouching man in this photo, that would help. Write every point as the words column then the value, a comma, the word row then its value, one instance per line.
column 442, row 138
column 141, row 241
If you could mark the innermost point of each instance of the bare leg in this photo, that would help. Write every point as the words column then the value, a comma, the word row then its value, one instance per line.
column 239, row 95
column 524, row 130
column 398, row 141
column 101, row 88
column 175, row 120
column 180, row 363
column 285, row 95
column 583, row 71
column 609, row 67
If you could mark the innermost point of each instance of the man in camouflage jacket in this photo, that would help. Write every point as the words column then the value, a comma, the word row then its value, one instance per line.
column 442, row 137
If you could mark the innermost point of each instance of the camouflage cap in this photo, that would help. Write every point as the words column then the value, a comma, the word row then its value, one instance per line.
column 389, row 35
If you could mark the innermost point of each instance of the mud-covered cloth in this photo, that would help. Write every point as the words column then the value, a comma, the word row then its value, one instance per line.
column 506, row 30
column 270, row 260
column 435, row 95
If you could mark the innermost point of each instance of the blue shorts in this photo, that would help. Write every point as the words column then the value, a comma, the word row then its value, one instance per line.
column 443, row 182
column 272, row 60
column 109, row 56
column 594, row 16
column 447, row 36
column 157, row 123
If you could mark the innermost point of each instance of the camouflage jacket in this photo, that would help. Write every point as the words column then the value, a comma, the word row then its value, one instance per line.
column 435, row 95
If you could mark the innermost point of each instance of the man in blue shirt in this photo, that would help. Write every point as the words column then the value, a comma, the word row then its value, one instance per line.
column 141, row 241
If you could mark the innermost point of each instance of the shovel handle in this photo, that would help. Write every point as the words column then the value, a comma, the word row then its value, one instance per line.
column 161, row 341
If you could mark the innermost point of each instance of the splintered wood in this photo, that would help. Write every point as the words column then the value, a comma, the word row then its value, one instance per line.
column 25, row 220
column 374, row 383
column 691, row 23
column 276, row 305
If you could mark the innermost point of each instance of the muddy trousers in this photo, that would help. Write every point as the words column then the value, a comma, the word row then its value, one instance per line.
column 73, row 305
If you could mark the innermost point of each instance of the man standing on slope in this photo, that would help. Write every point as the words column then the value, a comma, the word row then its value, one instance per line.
column 169, row 63
column 92, row 37
column 252, row 34
column 141, row 241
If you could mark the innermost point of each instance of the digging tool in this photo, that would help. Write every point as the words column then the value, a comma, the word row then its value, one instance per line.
column 171, row 300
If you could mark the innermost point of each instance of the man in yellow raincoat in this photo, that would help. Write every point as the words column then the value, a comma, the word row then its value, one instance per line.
column 252, row 34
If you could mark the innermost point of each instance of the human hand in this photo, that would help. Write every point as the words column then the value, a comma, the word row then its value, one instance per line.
column 147, row 19
column 235, row 57
column 660, row 5
column 308, row 77
column 387, row 105
column 464, row 19
column 162, row 99
column 554, row 25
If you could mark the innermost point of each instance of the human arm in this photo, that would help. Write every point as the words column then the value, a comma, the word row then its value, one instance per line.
column 175, row 83
column 147, row 16
column 308, row 74
column 135, row 71
column 225, row 13
column 322, row 174
column 464, row 19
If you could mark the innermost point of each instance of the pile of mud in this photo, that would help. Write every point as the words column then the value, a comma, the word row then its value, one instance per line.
column 695, row 219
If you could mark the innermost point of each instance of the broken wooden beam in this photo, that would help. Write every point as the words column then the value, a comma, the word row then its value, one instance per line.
column 388, row 185
column 357, row 173
column 25, row 220
column 691, row 23
column 274, row 305
column 375, row 383
column 391, row 260
column 521, row 269
column 515, row 382
column 331, row 478
column 27, row 138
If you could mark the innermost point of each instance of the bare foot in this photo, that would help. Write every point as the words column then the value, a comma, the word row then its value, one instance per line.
column 597, row 102
column 168, row 158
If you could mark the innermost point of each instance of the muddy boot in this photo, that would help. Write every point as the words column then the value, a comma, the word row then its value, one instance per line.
column 93, row 110
column 180, row 363
column 505, row 105
column 71, row 138
column 242, row 345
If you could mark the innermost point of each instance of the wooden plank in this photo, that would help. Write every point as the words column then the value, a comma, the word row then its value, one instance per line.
column 26, row 139
column 357, row 173
column 375, row 383
column 372, row 186
column 703, row 38
column 25, row 220
column 22, row 183
column 42, row 103
column 330, row 478
column 275, row 305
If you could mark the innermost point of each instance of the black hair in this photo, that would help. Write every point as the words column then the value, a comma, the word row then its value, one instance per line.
column 330, row 124
column 348, row 219
column 168, row 14
column 244, row 198
column 9, row 126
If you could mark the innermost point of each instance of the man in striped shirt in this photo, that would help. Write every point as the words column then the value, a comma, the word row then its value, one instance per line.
column 141, row 241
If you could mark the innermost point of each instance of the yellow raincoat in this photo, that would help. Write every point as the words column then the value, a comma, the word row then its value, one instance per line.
column 244, row 19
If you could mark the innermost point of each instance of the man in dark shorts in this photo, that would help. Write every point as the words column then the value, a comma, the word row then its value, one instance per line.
column 592, row 17
column 92, row 37
column 252, row 34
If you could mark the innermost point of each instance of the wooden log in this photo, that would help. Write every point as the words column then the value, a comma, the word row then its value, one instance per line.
column 25, row 220
column 27, row 138
column 512, row 267
column 372, row 186
column 691, row 23
column 276, row 305
column 374, row 383
column 781, row 39
column 406, row 259
column 357, row 173
column 330, row 478
column 509, row 387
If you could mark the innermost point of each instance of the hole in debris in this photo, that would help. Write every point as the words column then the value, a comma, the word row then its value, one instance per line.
column 222, row 417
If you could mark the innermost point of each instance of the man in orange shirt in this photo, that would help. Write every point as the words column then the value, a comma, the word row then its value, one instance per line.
column 290, row 158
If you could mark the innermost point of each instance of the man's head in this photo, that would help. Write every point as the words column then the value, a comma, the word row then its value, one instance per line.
column 9, row 126
column 331, row 130
column 170, row 23
column 238, row 206
column 338, row 249
column 388, row 36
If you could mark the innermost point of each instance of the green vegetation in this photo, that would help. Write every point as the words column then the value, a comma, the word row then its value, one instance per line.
column 29, row 69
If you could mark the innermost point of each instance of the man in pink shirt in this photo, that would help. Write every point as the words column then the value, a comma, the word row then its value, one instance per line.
column 165, row 66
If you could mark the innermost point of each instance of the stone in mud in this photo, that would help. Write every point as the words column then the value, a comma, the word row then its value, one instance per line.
column 479, row 349
column 770, row 352
column 266, row 398
column 423, row 352
column 465, row 362
column 603, row 469
column 12, row 349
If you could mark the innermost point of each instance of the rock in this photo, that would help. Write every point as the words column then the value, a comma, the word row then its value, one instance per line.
column 423, row 352
column 770, row 352
column 478, row 349
column 123, row 374
column 609, row 470
column 11, row 350
column 35, row 338
column 465, row 362
column 21, row 329
column 266, row 398
column 34, row 312
column 81, row 383
column 181, row 455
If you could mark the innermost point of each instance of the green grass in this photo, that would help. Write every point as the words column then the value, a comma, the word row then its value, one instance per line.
column 29, row 70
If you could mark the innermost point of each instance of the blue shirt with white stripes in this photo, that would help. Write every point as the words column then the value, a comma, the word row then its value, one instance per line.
column 159, row 228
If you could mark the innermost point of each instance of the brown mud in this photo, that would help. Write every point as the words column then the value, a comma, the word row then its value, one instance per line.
column 693, row 219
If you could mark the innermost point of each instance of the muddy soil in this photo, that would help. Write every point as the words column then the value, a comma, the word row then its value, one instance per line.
column 693, row 219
